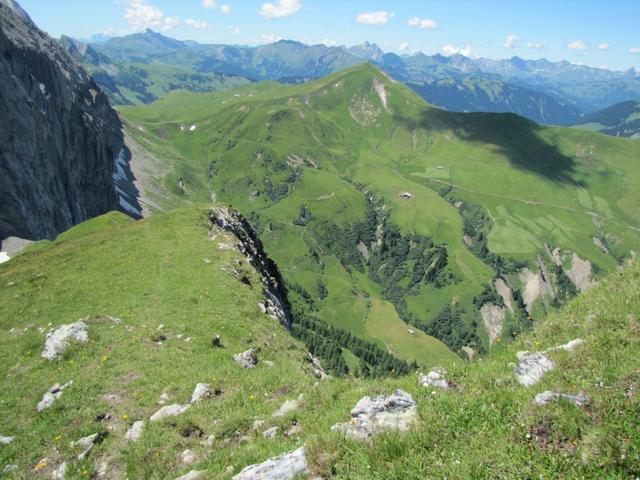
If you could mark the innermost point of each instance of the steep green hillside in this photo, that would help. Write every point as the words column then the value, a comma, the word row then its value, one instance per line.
column 320, row 169
column 619, row 120
column 154, row 293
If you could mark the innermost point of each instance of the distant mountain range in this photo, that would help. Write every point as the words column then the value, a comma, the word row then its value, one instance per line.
column 475, row 94
column 620, row 120
column 142, row 67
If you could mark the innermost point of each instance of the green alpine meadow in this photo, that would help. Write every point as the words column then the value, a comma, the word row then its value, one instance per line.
column 232, row 251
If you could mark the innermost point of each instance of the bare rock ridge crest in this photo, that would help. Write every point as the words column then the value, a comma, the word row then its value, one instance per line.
column 59, row 135
column 251, row 246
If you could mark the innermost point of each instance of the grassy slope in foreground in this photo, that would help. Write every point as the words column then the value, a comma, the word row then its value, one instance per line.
column 154, row 272
column 539, row 185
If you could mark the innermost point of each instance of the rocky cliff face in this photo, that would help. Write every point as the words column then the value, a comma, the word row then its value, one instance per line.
column 277, row 302
column 58, row 135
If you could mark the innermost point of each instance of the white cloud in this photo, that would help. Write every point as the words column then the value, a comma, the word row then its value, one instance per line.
column 537, row 45
column 603, row 46
column 270, row 38
column 374, row 18
column 403, row 47
column 226, row 9
column 282, row 8
column 209, row 4
column 634, row 51
column 422, row 23
column 577, row 45
column 510, row 41
column 170, row 23
column 141, row 15
column 197, row 24
column 453, row 50
column 234, row 29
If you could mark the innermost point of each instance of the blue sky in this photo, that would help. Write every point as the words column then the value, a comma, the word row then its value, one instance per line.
column 592, row 32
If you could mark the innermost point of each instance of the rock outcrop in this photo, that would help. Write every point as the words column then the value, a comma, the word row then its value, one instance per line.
column 548, row 396
column 532, row 366
column 504, row 290
column 284, row 467
column 172, row 410
column 53, row 394
column 371, row 416
column 536, row 285
column 493, row 317
column 192, row 475
column 86, row 444
column 251, row 245
column 436, row 378
column 580, row 273
column 58, row 340
column 288, row 407
column 59, row 135
column 247, row 359
column 135, row 431
column 200, row 393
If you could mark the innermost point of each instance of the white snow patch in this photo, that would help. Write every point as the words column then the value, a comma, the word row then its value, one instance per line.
column 120, row 177
column 4, row 257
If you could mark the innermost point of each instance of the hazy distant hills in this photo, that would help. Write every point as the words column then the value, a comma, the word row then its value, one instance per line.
column 473, row 94
column 142, row 67
column 620, row 120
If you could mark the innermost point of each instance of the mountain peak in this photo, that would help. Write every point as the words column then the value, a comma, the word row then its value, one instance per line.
column 367, row 51
column 18, row 10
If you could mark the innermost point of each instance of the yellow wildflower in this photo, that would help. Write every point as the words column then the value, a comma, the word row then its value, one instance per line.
column 125, row 417
column 41, row 464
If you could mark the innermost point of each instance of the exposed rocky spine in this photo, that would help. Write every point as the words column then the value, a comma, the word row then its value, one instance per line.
column 251, row 245
column 58, row 134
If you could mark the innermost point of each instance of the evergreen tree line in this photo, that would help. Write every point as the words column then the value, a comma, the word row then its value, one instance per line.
column 449, row 326
column 327, row 342
column 399, row 264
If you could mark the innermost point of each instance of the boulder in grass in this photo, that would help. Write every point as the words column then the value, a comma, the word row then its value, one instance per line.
column 284, row 467
column 58, row 340
column 371, row 416
column 247, row 359
column 532, row 366
column 544, row 398
column 436, row 378
column 172, row 410
column 54, row 393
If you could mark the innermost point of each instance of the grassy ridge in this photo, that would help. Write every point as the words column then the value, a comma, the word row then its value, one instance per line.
column 329, row 144
column 165, row 270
